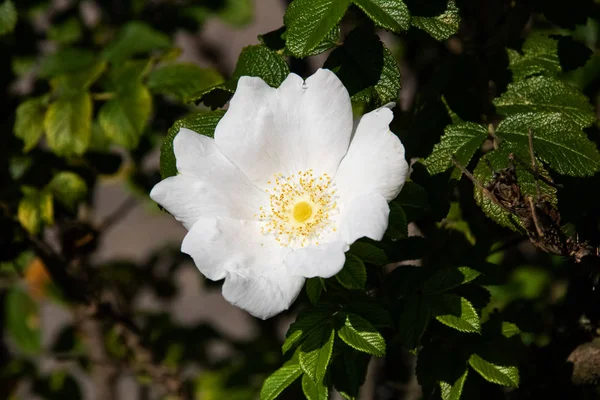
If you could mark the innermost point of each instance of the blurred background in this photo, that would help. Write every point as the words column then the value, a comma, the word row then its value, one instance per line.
column 127, row 250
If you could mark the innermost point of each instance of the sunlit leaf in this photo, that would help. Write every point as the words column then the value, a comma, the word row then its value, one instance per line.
column 392, row 15
column 440, row 27
column 505, row 375
column 361, row 335
column 308, row 22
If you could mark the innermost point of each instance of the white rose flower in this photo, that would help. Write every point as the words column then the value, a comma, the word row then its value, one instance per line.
column 286, row 185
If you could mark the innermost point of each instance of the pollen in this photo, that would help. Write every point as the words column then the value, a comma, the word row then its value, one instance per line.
column 301, row 209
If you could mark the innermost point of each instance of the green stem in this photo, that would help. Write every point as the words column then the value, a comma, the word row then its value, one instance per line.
column 103, row 96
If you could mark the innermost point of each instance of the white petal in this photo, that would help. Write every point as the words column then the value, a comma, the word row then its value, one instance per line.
column 365, row 216
column 262, row 295
column 208, row 185
column 375, row 160
column 219, row 246
column 324, row 260
column 299, row 126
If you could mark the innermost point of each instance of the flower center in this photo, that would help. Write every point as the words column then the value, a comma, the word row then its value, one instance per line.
column 300, row 210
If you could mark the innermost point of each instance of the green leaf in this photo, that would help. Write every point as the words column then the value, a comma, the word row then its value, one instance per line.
column 68, row 188
column 315, row 352
column 453, row 391
column 275, row 40
column 314, row 287
column 67, row 32
column 413, row 321
column 440, row 27
column 440, row 366
column 461, row 140
column 331, row 40
column 29, row 121
column 449, row 278
column 46, row 207
column 361, row 335
column 124, row 118
column 204, row 123
column 68, row 124
column 368, row 253
column 367, row 68
column 279, row 380
column 126, row 75
column 8, row 17
column 314, row 390
column 308, row 321
column 66, row 60
column 308, row 22
column 374, row 310
column 183, row 80
column 257, row 60
column 29, row 215
column 22, row 321
column 398, row 223
column 456, row 312
column 30, row 210
column 540, row 55
column 541, row 93
column 413, row 200
column 392, row 15
column 348, row 371
column 505, row 375
column 261, row 61
column 75, row 82
column 509, row 329
column 558, row 141
column 354, row 273
column 135, row 38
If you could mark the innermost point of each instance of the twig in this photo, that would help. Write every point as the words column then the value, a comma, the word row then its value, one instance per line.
column 118, row 214
column 535, row 218
column 92, row 313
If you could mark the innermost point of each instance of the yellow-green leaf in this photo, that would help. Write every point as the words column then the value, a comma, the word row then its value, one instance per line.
column 314, row 390
column 29, row 122
column 361, row 335
column 279, row 380
column 68, row 124
column 505, row 375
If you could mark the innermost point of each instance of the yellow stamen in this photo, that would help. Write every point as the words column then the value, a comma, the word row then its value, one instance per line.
column 301, row 208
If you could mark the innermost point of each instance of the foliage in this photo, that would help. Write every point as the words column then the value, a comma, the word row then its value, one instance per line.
column 497, row 107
